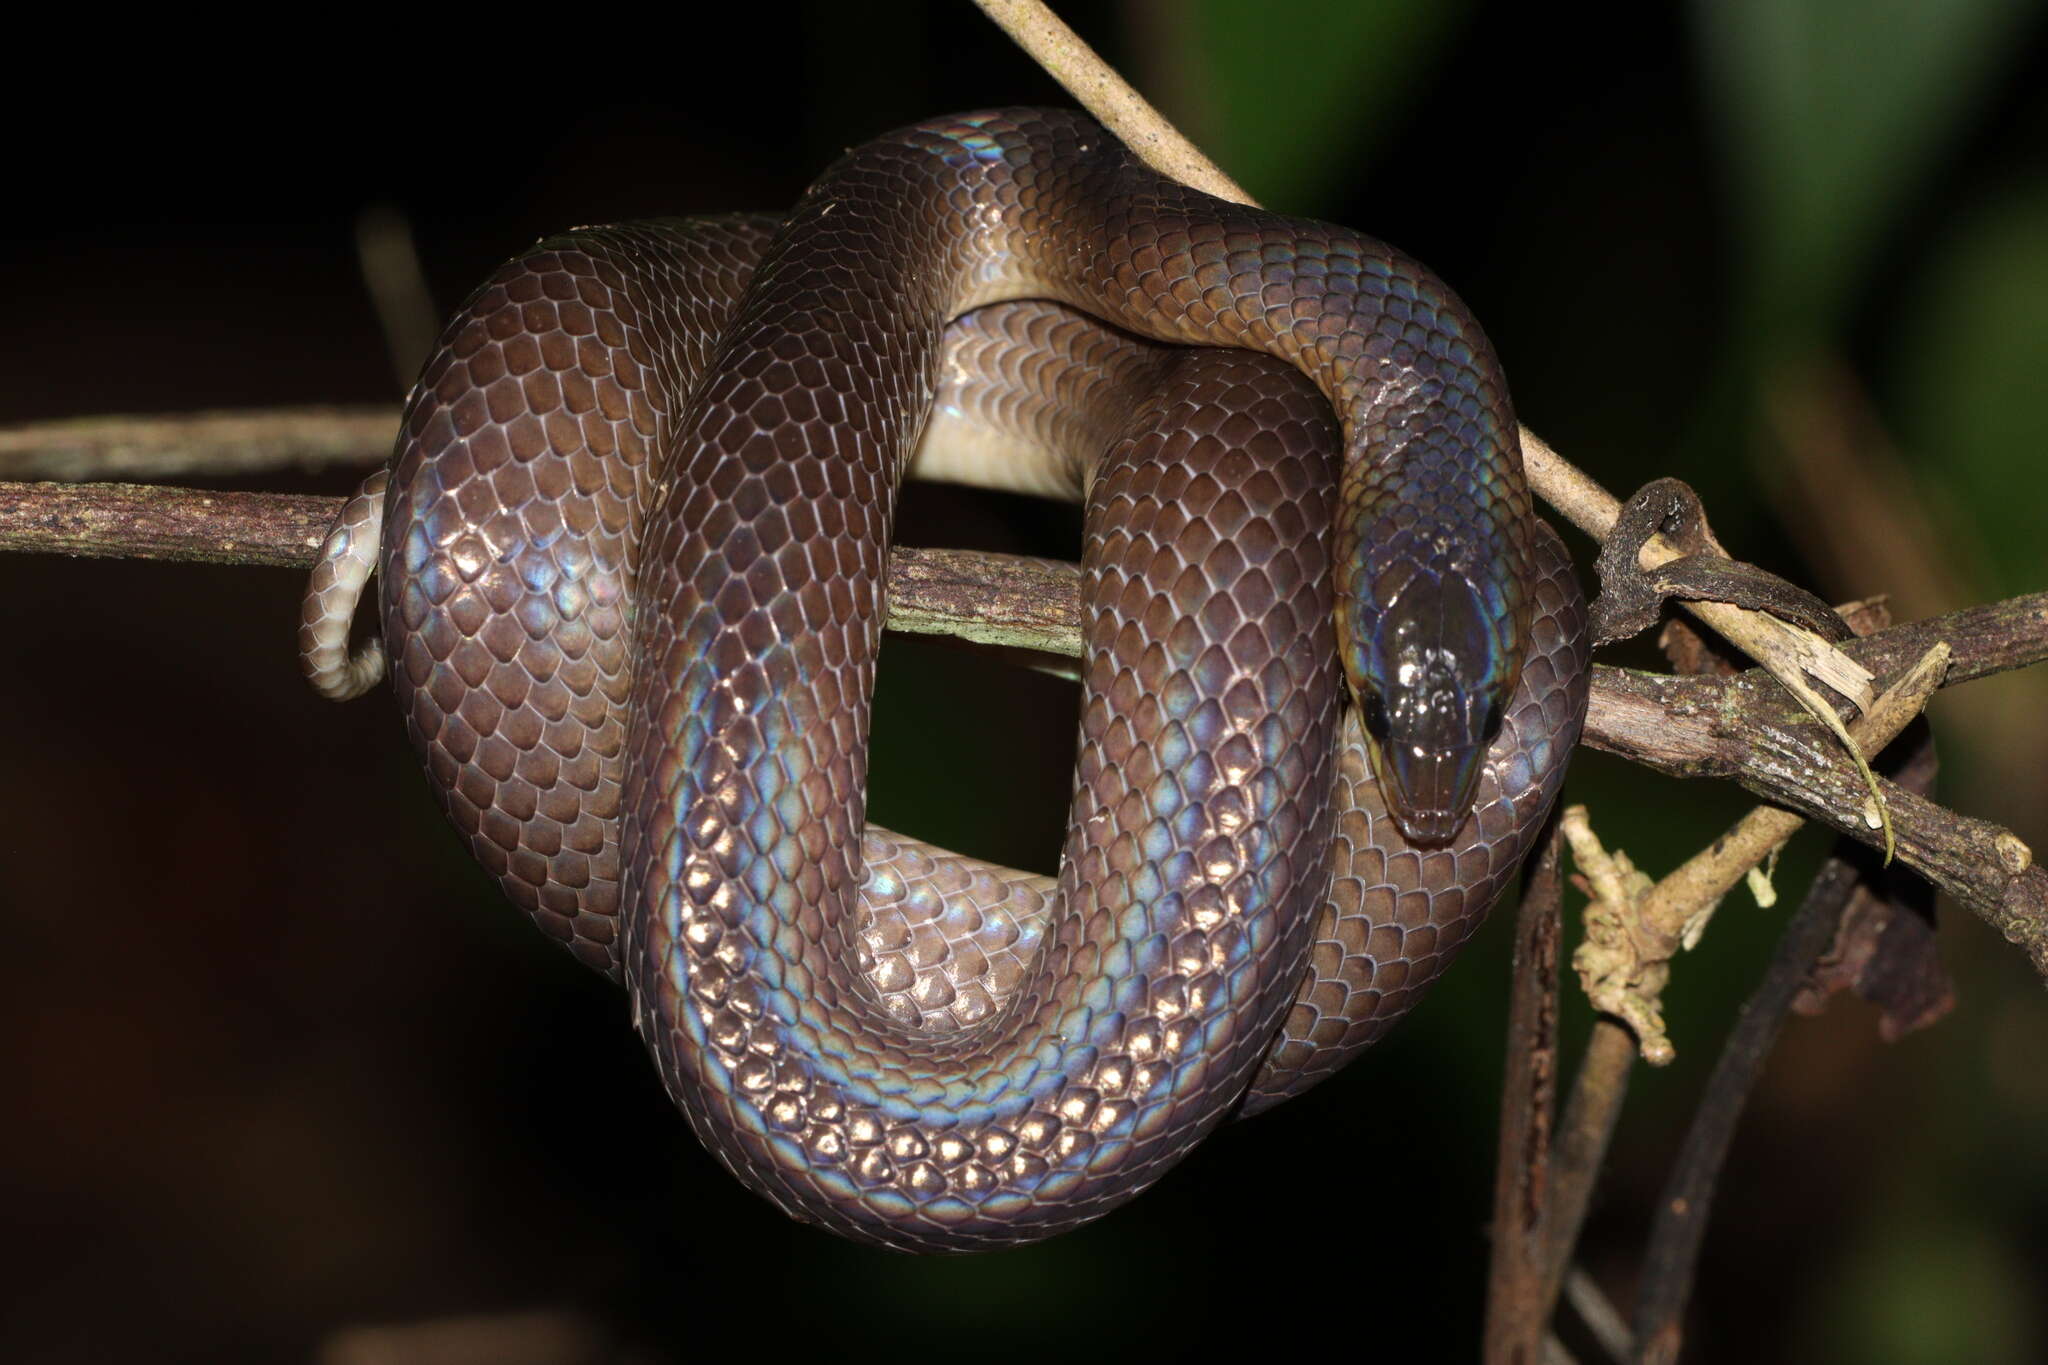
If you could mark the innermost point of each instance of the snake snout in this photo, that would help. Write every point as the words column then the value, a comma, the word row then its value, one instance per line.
column 1428, row 753
column 1436, row 706
column 1429, row 791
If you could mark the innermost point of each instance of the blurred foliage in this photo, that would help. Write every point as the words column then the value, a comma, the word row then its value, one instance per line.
column 1968, row 367
column 1292, row 118
column 1833, row 112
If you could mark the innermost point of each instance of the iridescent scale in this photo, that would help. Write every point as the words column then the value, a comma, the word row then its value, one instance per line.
column 634, row 539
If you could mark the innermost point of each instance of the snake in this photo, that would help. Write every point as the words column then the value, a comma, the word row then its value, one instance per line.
column 631, row 550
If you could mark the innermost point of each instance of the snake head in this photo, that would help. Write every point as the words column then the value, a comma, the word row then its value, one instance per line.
column 1431, row 686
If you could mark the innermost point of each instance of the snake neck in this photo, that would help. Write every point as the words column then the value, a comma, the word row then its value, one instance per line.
column 1433, row 542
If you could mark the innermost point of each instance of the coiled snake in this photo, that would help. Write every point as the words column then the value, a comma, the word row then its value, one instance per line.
column 632, row 550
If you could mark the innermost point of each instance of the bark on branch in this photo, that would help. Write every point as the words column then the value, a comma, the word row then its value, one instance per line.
column 1743, row 728
column 198, row 444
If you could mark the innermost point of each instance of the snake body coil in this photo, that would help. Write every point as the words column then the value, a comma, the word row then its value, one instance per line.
column 632, row 552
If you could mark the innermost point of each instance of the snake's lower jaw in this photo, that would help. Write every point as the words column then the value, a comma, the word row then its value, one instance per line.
column 1429, row 791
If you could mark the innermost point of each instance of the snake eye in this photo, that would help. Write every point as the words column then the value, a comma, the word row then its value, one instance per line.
column 1495, row 718
column 1374, row 716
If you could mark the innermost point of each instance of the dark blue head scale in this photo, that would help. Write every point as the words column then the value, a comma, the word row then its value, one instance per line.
column 1431, row 682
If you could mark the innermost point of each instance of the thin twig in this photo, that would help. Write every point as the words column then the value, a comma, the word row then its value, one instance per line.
column 1987, row 639
column 1672, row 1254
column 1583, row 1136
column 1688, row 1195
column 397, row 283
column 199, row 444
column 1598, row 1314
column 1516, row 1313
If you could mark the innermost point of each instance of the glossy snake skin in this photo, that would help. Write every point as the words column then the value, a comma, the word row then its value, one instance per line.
column 632, row 545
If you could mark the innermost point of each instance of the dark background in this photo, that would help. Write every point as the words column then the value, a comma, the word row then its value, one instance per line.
column 284, row 1079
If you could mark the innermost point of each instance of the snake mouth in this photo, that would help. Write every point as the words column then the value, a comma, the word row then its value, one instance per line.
column 1429, row 791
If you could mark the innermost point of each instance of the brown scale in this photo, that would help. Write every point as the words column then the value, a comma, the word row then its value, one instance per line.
column 513, row 525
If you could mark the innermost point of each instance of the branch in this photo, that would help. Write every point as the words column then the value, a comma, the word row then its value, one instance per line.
column 144, row 521
column 1113, row 101
column 210, row 444
column 1849, row 889
column 1634, row 930
column 1517, row 1305
column 1584, row 1134
column 1689, row 1191
column 988, row 598
column 1742, row 728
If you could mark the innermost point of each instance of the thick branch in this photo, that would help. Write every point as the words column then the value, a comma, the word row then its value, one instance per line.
column 1742, row 728
column 1672, row 1255
column 1108, row 96
column 144, row 521
column 987, row 598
